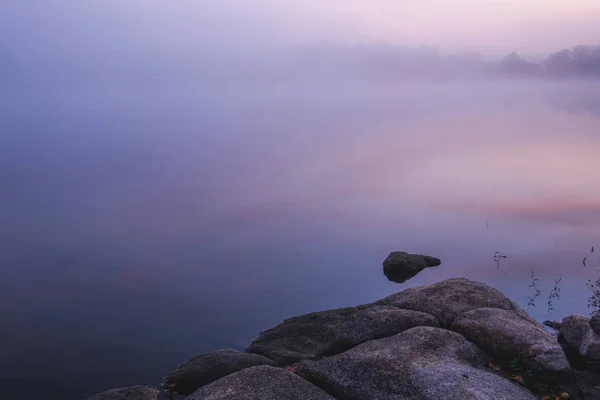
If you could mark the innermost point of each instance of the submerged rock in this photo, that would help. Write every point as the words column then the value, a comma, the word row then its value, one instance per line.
column 423, row 363
column 447, row 299
column 326, row 333
column 206, row 368
column 553, row 324
column 260, row 383
column 502, row 334
column 400, row 266
column 129, row 393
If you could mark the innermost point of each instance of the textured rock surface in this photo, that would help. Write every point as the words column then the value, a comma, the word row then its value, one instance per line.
column 574, row 329
column 325, row 333
column 578, row 334
column 206, row 368
column 449, row 298
column 422, row 363
column 260, row 383
column 400, row 266
column 502, row 334
column 424, row 343
column 129, row 393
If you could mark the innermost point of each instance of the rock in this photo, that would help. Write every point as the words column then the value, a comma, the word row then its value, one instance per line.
column 206, row 368
column 129, row 393
column 577, row 333
column 422, row 363
column 504, row 335
column 400, row 266
column 326, row 333
column 595, row 323
column 574, row 329
column 581, row 385
column 260, row 383
column 553, row 324
column 449, row 298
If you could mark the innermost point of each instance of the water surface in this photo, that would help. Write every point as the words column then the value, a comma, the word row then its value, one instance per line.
column 140, row 226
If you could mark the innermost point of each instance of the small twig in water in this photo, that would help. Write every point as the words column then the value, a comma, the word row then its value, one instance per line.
column 531, row 302
column 554, row 294
column 594, row 299
column 497, row 258
column 594, row 286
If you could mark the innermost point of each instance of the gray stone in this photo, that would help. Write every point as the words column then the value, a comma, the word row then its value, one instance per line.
column 129, row 393
column 574, row 329
column 553, row 324
column 260, row 383
column 595, row 323
column 423, row 363
column 503, row 335
column 206, row 368
column 578, row 334
column 326, row 333
column 449, row 298
column 400, row 266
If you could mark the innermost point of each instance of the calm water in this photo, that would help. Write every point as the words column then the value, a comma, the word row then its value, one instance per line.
column 140, row 227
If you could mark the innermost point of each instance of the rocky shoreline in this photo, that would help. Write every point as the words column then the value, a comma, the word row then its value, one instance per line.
column 456, row 339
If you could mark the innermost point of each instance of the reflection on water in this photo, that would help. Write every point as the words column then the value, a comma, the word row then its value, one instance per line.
column 137, row 232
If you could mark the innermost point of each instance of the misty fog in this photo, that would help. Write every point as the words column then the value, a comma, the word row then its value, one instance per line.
column 177, row 177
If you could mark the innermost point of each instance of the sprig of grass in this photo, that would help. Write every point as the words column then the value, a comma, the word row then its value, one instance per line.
column 533, row 285
column 554, row 294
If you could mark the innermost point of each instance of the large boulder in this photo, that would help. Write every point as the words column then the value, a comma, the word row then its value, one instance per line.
column 577, row 333
column 206, row 368
column 447, row 299
column 423, row 363
column 326, row 333
column 400, row 266
column 503, row 335
column 595, row 323
column 260, row 383
column 129, row 393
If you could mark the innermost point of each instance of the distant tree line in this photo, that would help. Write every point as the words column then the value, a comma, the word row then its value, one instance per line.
column 578, row 62
column 396, row 63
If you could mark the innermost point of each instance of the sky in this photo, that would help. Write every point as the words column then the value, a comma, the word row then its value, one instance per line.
column 488, row 26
